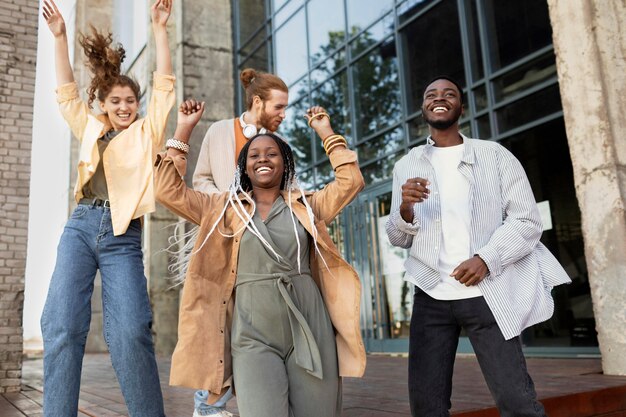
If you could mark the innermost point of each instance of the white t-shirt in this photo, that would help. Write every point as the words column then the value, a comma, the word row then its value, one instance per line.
column 455, row 221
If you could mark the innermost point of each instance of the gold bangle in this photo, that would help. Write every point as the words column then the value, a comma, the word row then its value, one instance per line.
column 333, row 146
column 331, row 142
column 331, row 139
column 317, row 116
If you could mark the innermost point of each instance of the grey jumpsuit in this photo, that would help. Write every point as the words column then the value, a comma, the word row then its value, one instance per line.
column 283, row 343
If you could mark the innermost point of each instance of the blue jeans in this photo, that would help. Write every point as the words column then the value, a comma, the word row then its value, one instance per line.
column 200, row 402
column 434, row 336
column 88, row 244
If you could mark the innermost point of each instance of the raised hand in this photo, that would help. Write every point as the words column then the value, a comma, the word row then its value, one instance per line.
column 53, row 18
column 160, row 12
column 319, row 120
column 190, row 112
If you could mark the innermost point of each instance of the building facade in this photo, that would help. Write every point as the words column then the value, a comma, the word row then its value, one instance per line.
column 18, row 50
column 367, row 63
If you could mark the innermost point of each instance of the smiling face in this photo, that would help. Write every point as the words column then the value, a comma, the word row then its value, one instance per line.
column 271, row 112
column 121, row 105
column 264, row 164
column 442, row 106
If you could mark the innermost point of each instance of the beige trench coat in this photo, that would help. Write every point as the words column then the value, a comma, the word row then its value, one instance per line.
column 202, row 358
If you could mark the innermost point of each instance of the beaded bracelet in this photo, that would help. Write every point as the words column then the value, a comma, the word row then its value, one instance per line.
column 177, row 144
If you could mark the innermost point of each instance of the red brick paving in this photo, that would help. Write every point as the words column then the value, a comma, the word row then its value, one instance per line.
column 567, row 387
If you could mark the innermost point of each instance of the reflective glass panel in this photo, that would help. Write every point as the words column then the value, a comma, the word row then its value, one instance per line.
column 362, row 13
column 372, row 35
column 381, row 145
column 257, row 60
column 323, row 174
column 544, row 154
column 380, row 170
column 484, row 127
column 328, row 67
column 326, row 28
column 432, row 47
column 291, row 54
column 480, row 98
column 285, row 13
column 418, row 129
column 522, row 78
column 473, row 34
column 376, row 84
column 296, row 132
column 252, row 15
column 333, row 96
column 409, row 8
column 515, row 29
column 529, row 108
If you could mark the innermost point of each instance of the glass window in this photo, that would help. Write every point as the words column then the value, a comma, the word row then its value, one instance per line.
column 544, row 153
column 276, row 4
column 418, row 129
column 473, row 35
column 252, row 16
column 257, row 59
column 372, row 35
column 484, row 127
column 432, row 47
column 515, row 29
column 528, row 109
column 297, row 133
column 328, row 67
column 283, row 15
column 480, row 98
column 410, row 8
column 361, row 13
column 381, row 145
column 333, row 96
column 376, row 83
column 381, row 169
column 291, row 51
column 131, row 28
column 525, row 77
column 326, row 28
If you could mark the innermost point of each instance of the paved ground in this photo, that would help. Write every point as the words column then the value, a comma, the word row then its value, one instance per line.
column 568, row 387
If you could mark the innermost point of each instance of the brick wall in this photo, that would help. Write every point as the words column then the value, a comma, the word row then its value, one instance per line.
column 18, row 49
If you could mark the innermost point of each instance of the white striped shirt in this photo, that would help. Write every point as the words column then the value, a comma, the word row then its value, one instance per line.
column 505, row 231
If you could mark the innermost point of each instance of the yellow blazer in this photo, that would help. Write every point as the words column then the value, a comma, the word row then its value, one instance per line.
column 202, row 355
column 129, row 156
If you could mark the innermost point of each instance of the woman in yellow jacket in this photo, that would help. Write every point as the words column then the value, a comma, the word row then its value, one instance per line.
column 113, row 190
column 269, row 306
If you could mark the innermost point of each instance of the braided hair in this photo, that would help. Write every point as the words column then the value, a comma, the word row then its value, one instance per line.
column 104, row 60
column 289, row 175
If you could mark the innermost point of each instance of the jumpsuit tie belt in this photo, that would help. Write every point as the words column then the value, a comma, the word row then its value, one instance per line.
column 306, row 351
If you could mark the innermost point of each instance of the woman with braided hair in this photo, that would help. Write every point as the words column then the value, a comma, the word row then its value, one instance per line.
column 269, row 306
column 114, row 189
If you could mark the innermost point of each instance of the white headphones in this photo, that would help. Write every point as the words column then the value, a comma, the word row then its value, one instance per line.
column 249, row 130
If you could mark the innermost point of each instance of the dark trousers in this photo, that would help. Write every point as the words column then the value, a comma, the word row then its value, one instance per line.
column 435, row 329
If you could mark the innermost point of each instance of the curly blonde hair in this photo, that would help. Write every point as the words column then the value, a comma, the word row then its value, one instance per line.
column 104, row 60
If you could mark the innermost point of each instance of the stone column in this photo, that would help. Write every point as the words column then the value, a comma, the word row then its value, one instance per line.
column 18, row 52
column 201, row 47
column 590, row 45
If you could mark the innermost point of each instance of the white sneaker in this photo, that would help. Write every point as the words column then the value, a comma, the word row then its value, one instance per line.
column 217, row 412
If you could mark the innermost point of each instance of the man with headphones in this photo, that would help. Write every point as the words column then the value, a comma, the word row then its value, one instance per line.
column 266, row 100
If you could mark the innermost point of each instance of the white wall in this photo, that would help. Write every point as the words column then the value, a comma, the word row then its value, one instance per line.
column 49, row 185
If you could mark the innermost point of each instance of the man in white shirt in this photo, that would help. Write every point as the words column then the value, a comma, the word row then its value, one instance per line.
column 465, row 209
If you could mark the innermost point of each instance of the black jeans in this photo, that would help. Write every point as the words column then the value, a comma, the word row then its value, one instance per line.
column 435, row 329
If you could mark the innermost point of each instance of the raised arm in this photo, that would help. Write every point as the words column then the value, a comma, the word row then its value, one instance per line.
column 56, row 24
column 160, row 12
column 171, row 190
column 329, row 201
